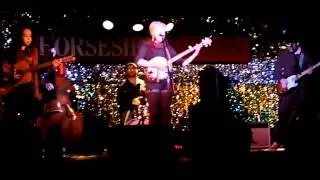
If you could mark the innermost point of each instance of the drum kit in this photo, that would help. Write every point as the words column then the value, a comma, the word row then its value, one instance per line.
column 135, row 120
column 137, row 116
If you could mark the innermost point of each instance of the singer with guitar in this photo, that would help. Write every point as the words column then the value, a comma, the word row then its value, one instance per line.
column 292, row 71
column 22, row 100
column 156, row 55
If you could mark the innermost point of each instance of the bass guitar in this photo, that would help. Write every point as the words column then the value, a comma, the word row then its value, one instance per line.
column 292, row 81
column 24, row 69
column 161, row 72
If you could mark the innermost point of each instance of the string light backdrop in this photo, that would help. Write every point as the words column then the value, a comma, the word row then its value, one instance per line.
column 252, row 94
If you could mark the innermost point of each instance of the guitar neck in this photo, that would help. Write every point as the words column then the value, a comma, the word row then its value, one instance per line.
column 182, row 54
column 305, row 72
column 40, row 66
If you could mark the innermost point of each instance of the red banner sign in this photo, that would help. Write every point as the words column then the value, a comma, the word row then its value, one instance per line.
column 224, row 49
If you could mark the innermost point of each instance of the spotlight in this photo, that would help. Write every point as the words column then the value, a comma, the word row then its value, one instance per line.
column 107, row 24
column 137, row 27
column 169, row 26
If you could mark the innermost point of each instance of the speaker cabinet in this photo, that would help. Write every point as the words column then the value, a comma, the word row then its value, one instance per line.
column 261, row 137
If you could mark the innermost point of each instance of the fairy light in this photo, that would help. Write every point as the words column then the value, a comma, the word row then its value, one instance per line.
column 252, row 95
column 8, row 24
column 252, row 92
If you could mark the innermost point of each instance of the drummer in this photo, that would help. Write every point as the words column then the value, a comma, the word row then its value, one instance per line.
column 130, row 94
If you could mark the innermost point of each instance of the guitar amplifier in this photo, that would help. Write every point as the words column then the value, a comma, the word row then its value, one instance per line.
column 261, row 137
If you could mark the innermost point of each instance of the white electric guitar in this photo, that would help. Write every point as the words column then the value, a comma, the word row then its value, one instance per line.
column 291, row 81
column 161, row 72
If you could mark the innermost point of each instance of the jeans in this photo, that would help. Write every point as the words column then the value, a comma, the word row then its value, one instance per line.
column 159, row 106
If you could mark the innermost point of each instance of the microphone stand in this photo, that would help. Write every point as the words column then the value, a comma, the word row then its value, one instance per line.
column 165, row 45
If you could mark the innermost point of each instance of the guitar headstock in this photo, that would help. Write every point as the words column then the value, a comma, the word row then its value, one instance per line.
column 67, row 59
column 206, row 41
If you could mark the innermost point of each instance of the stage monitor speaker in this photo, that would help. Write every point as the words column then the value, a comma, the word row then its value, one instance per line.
column 260, row 136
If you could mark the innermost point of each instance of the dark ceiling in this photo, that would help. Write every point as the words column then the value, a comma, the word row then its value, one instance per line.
column 81, row 21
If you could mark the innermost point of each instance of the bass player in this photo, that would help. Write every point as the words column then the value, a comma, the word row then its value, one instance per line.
column 159, row 90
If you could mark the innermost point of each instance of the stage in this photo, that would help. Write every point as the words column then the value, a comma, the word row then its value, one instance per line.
column 181, row 167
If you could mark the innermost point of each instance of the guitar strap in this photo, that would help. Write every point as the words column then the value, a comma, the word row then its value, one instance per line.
column 35, row 74
column 301, row 59
column 167, row 52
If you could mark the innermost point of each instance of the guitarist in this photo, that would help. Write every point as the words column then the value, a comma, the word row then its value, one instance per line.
column 22, row 103
column 159, row 93
column 292, row 61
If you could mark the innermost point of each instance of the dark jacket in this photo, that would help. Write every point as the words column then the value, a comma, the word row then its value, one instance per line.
column 287, row 65
column 126, row 93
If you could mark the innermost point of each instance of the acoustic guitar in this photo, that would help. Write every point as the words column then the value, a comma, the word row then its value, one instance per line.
column 25, row 71
column 292, row 81
column 162, row 63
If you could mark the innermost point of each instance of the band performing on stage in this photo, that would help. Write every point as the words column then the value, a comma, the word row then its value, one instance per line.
column 35, row 92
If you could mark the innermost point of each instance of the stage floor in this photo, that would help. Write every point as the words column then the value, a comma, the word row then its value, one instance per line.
column 254, row 153
column 267, row 150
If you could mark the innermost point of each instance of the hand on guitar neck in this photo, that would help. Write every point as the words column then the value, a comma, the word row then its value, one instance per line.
column 56, row 63
column 157, row 67
column 23, row 71
column 195, row 54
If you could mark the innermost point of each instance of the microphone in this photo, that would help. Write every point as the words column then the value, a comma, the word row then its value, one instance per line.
column 163, row 36
column 53, row 52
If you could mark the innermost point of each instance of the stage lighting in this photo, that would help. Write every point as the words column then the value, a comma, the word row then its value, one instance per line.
column 107, row 24
column 169, row 26
column 137, row 27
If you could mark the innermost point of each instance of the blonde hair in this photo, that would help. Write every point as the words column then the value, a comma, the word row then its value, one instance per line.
column 155, row 27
